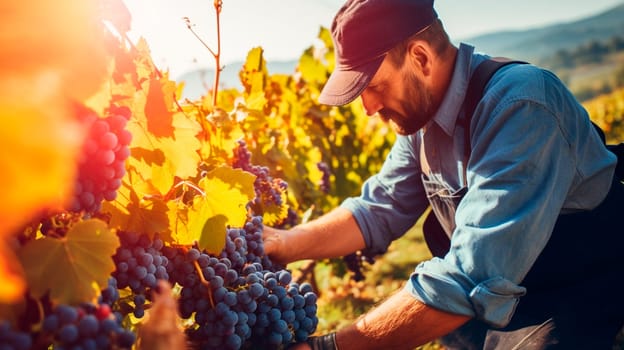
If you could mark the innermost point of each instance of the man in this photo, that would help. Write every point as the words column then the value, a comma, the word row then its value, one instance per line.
column 525, row 190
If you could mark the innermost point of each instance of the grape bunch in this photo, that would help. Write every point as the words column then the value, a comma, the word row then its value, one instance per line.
column 139, row 263
column 286, row 311
column 12, row 339
column 86, row 326
column 247, row 242
column 221, row 308
column 355, row 263
column 324, row 183
column 239, row 297
column 268, row 189
column 102, row 162
column 110, row 294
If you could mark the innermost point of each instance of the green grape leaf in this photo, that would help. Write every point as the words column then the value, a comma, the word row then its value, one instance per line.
column 74, row 269
column 210, row 227
column 226, row 193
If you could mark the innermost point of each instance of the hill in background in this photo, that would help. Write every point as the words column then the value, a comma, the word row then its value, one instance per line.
column 199, row 81
column 536, row 45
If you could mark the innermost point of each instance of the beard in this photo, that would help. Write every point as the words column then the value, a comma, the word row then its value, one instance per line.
column 417, row 107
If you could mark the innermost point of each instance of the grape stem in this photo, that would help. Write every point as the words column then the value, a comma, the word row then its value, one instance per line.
column 307, row 273
column 204, row 282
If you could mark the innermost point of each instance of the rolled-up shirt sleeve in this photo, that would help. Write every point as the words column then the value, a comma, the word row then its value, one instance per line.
column 392, row 200
column 493, row 301
column 524, row 164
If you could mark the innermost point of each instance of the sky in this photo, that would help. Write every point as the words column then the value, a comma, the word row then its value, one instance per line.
column 285, row 28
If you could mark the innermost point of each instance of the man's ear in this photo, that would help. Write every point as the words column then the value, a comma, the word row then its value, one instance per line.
column 420, row 55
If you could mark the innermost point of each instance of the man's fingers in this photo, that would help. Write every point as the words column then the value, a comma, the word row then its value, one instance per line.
column 270, row 246
column 275, row 244
column 272, row 240
column 268, row 232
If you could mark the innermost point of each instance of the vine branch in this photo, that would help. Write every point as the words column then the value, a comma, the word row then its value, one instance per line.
column 218, row 5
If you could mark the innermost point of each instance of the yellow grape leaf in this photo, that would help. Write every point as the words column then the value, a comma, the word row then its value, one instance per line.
column 255, row 61
column 145, row 67
column 256, row 100
column 73, row 269
column 165, row 144
column 186, row 229
column 179, row 90
column 254, row 73
column 316, row 69
column 131, row 212
column 236, row 179
column 145, row 166
column 273, row 214
column 226, row 193
column 227, row 99
column 150, row 112
column 159, row 117
column 325, row 36
column 312, row 70
column 178, row 224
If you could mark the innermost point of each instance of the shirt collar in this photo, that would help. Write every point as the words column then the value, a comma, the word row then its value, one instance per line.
column 447, row 114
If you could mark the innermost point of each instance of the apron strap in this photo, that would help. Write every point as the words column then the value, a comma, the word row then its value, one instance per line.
column 435, row 236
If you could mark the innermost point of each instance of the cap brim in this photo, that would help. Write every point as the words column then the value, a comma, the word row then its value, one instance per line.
column 345, row 85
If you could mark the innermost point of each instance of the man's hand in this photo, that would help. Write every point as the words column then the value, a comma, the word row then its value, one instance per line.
column 299, row 346
column 306, row 241
column 323, row 342
column 275, row 244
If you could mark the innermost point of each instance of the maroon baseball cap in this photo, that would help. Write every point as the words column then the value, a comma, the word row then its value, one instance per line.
column 363, row 32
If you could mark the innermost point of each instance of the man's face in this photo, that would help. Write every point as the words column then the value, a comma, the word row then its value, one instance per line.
column 399, row 97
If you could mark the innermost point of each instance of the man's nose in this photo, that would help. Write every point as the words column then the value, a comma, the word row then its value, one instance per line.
column 372, row 104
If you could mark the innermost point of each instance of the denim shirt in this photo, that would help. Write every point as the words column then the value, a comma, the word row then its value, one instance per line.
column 534, row 155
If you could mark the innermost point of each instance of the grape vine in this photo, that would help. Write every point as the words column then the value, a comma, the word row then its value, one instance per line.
column 165, row 191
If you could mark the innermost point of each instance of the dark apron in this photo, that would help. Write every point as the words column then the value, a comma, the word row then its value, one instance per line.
column 575, row 289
